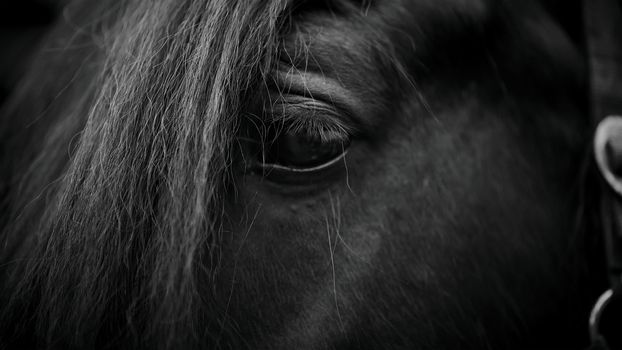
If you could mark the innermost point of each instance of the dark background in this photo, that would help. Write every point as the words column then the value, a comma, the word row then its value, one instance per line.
column 22, row 25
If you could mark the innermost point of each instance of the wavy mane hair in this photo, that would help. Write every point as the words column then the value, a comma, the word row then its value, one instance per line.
column 112, row 173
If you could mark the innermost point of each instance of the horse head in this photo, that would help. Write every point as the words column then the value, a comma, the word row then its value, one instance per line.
column 303, row 174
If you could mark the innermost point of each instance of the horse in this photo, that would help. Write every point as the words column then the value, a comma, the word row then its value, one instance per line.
column 288, row 174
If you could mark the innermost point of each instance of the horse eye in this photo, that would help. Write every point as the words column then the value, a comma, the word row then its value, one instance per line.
column 302, row 152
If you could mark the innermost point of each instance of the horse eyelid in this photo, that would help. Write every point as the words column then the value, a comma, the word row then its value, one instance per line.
column 315, row 118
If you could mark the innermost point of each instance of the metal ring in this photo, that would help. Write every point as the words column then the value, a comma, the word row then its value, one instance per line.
column 597, row 311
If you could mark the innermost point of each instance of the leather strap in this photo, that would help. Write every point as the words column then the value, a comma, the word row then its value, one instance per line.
column 603, row 24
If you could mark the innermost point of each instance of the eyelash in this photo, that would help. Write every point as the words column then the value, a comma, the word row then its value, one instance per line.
column 313, row 119
column 314, row 129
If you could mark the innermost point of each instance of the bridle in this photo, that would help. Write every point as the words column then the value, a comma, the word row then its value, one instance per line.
column 603, row 28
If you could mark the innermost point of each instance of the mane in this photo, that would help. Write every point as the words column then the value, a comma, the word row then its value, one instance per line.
column 112, row 218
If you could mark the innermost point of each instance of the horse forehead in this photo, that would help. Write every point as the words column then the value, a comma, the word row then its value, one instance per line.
column 325, row 39
column 418, row 18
